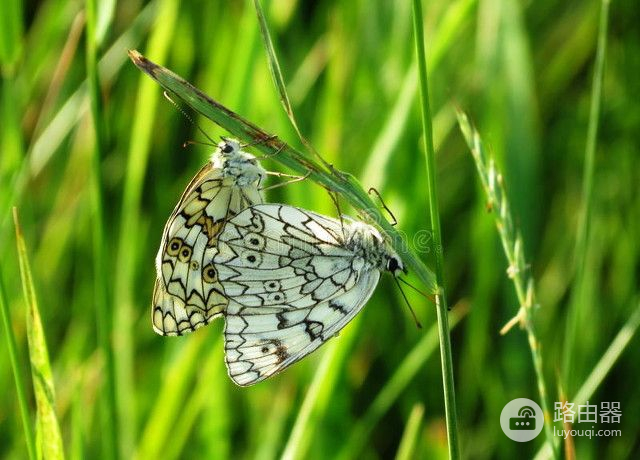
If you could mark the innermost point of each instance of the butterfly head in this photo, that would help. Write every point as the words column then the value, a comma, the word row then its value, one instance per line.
column 368, row 243
column 238, row 164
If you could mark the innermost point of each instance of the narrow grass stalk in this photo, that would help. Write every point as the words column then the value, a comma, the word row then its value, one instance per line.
column 21, row 389
column 276, row 73
column 407, row 448
column 441, row 300
column 493, row 185
column 583, row 231
column 108, row 407
column 48, row 437
column 602, row 369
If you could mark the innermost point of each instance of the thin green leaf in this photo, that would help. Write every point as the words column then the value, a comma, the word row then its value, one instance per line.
column 276, row 74
column 577, row 312
column 109, row 411
column 49, row 440
column 446, row 360
column 406, row 450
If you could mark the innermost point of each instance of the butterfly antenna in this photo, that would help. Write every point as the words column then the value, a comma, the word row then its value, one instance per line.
column 413, row 313
column 188, row 117
column 191, row 142
column 374, row 190
column 422, row 293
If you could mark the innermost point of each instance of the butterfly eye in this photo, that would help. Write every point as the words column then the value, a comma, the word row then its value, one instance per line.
column 227, row 148
column 173, row 248
column 185, row 253
column 209, row 274
column 393, row 265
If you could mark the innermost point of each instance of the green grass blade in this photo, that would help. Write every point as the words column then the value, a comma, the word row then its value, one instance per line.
column 577, row 314
column 334, row 180
column 276, row 74
column 21, row 389
column 48, row 437
column 108, row 405
column 407, row 448
column 441, row 301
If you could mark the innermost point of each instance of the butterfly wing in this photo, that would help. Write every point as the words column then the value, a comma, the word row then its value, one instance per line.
column 273, row 254
column 187, row 294
column 291, row 285
column 260, row 342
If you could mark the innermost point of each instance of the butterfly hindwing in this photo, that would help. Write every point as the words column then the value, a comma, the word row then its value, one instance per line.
column 262, row 341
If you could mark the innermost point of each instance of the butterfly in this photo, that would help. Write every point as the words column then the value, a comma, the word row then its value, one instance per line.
column 293, row 280
column 187, row 294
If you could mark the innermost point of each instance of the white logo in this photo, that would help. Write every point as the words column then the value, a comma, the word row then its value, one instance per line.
column 521, row 419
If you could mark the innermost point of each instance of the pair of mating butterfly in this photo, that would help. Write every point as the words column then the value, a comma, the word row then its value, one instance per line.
column 285, row 279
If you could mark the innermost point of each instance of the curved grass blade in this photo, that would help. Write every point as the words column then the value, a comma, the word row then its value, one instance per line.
column 276, row 73
column 334, row 180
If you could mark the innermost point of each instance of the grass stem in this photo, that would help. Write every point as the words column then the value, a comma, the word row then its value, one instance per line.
column 582, row 240
column 493, row 185
column 441, row 300
column 108, row 405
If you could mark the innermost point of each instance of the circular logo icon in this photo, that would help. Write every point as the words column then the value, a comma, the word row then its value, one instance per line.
column 521, row 419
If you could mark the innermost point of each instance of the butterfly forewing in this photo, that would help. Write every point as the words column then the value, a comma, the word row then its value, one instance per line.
column 187, row 294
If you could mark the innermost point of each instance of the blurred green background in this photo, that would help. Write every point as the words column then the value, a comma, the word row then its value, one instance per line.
column 522, row 70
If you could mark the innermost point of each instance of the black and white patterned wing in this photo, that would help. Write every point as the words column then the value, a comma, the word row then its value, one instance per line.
column 291, row 284
column 262, row 341
column 273, row 254
column 187, row 294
